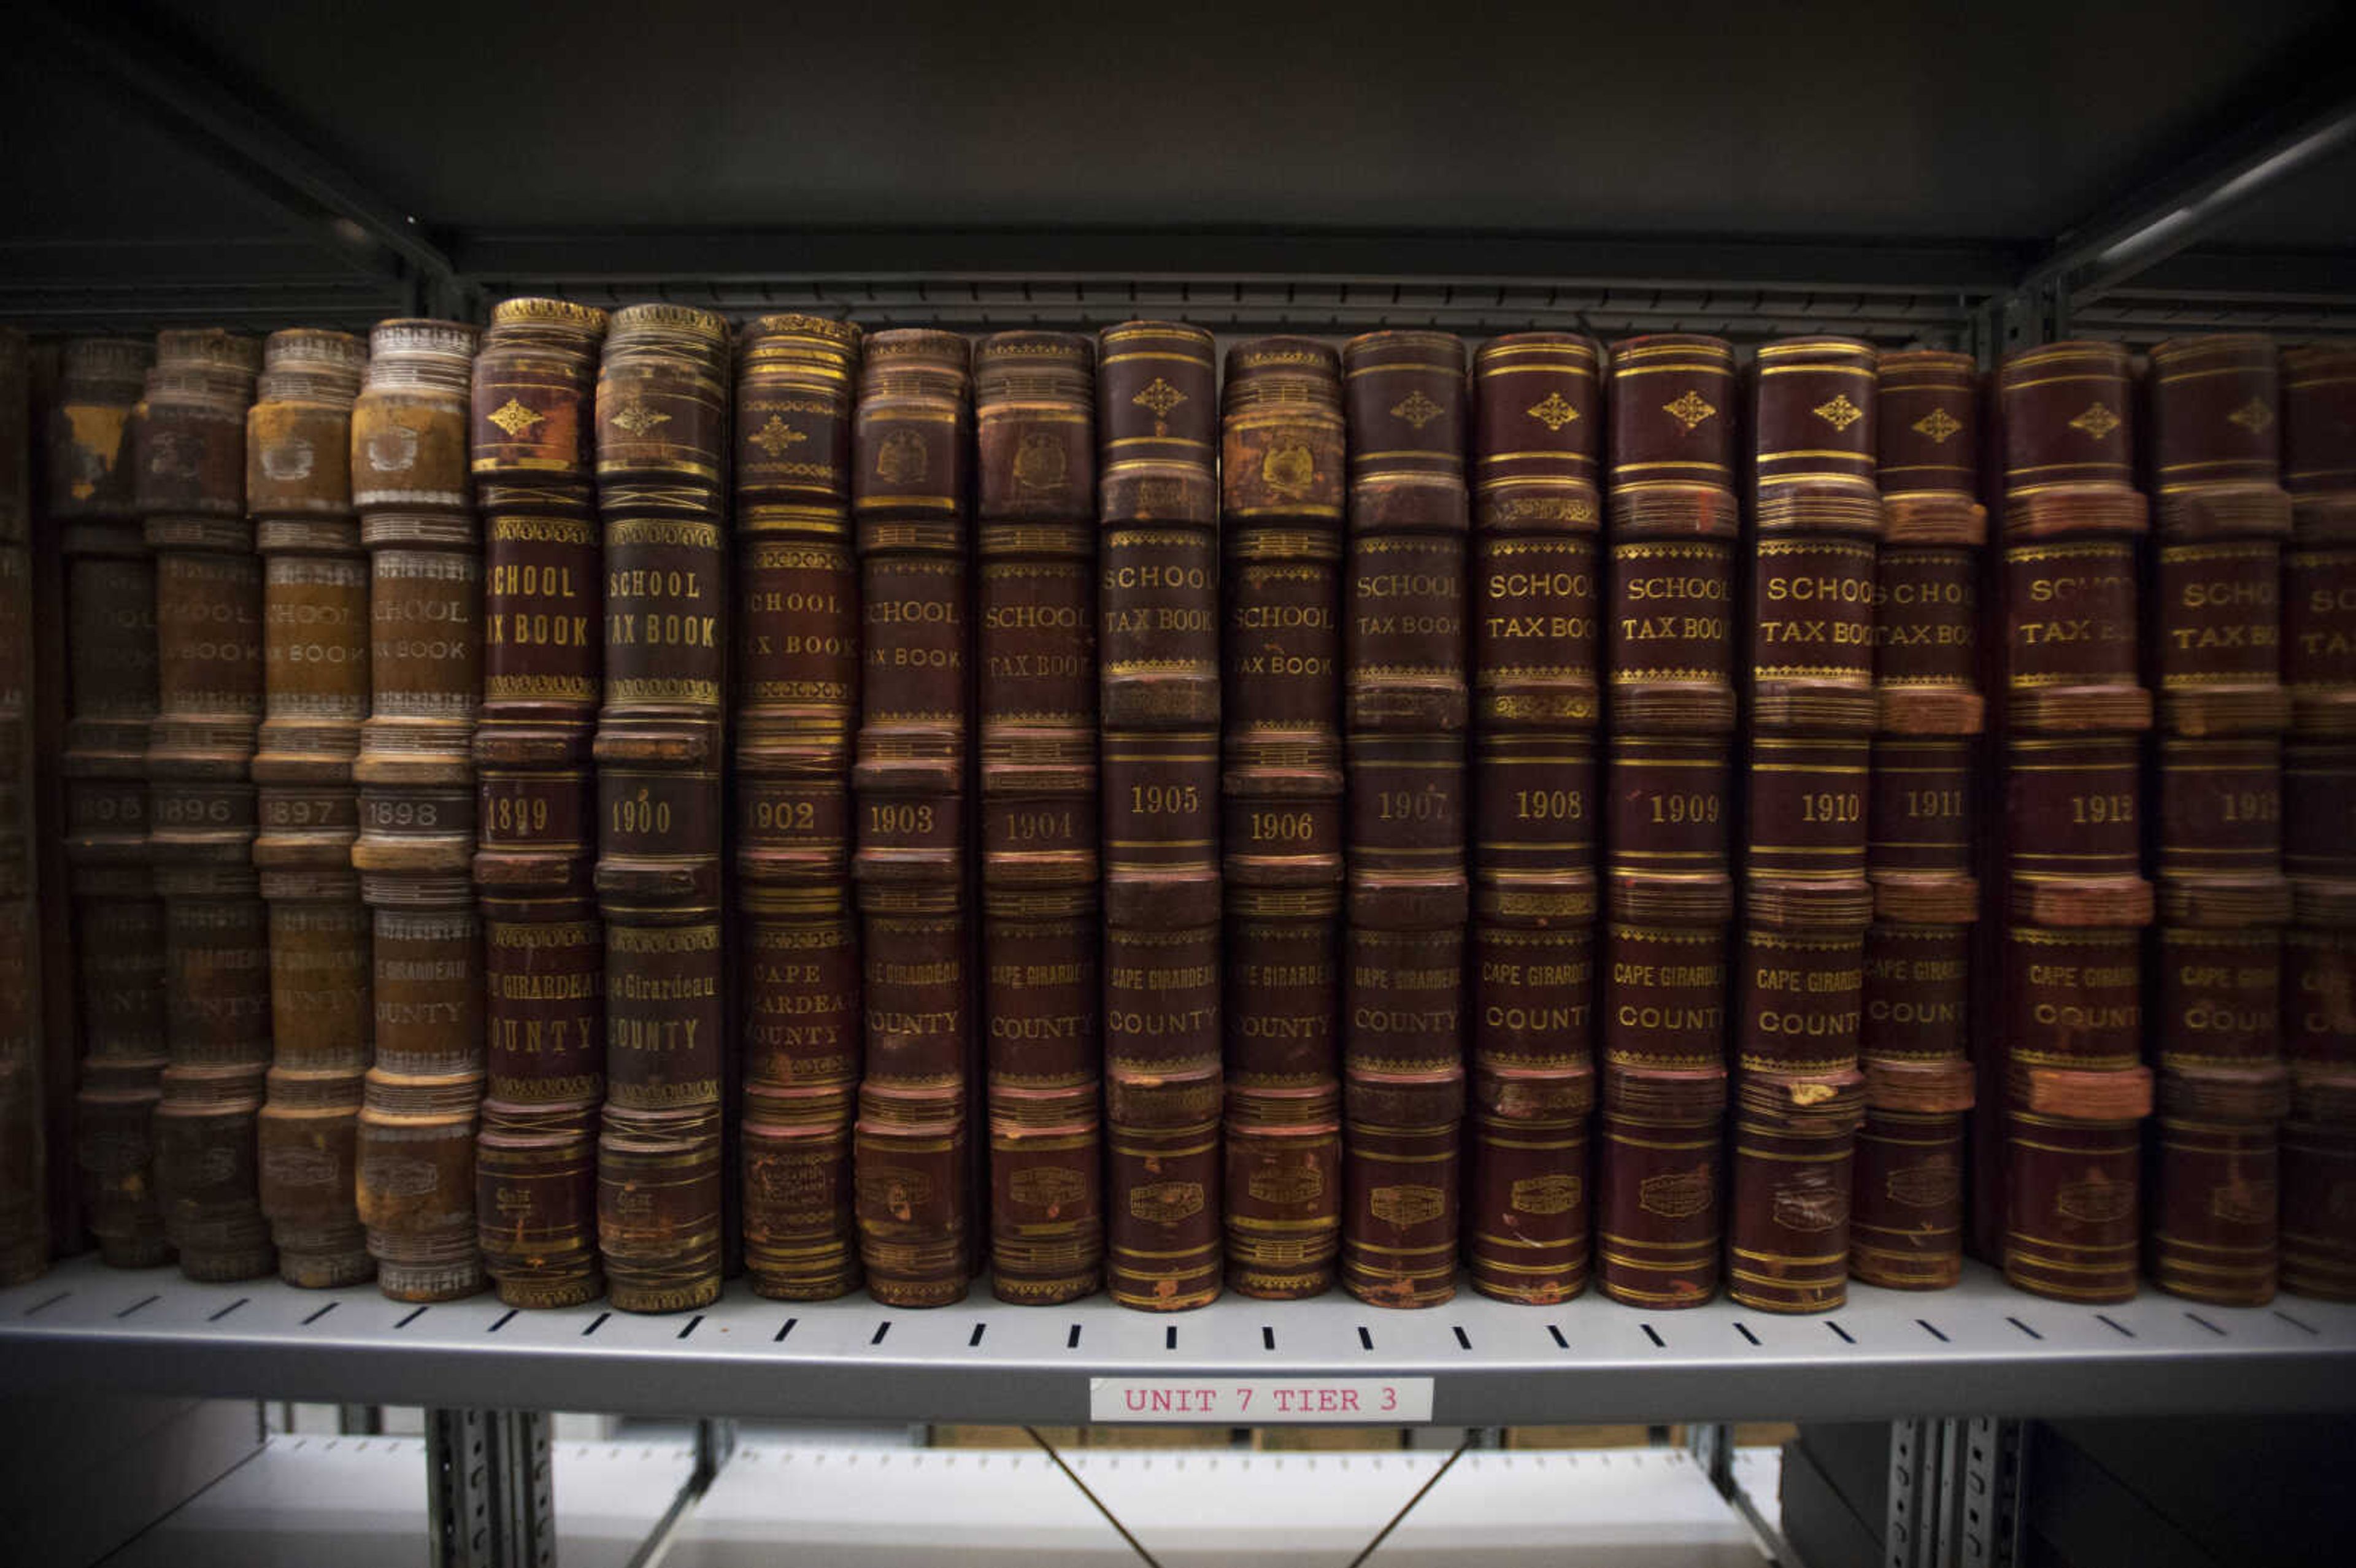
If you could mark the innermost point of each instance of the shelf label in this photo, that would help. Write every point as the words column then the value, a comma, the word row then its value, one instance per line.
column 1259, row 1401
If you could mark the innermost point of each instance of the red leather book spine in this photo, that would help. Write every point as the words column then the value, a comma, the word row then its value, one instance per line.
column 190, row 488
column 663, row 436
column 1538, row 402
column 532, row 418
column 1035, row 618
column 416, row 844
column 798, row 699
column 2063, row 1086
column 1282, row 487
column 24, row 1148
column 314, row 614
column 118, row 923
column 2318, row 668
column 1906, row 1229
column 2215, row 654
column 1406, row 712
column 910, row 498
column 1158, row 505
column 1669, row 818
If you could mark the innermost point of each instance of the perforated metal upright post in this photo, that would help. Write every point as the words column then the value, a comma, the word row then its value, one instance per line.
column 489, row 1491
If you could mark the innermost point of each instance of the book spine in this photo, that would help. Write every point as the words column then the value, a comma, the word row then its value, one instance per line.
column 1816, row 523
column 417, row 829
column 1157, row 503
column 1405, row 714
column 1907, row 1229
column 1669, row 815
column 1282, row 487
column 2064, row 1087
column 1036, row 615
column 663, row 439
column 2215, row 407
column 910, row 495
column 798, row 699
column 24, row 1157
column 190, row 489
column 118, row 921
column 1537, row 516
column 532, row 420
column 2318, row 669
column 314, row 629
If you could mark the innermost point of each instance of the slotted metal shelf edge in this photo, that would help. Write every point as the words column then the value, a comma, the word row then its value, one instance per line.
column 1981, row 1348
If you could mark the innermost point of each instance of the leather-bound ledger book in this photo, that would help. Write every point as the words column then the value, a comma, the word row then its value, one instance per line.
column 798, row 698
column 663, row 438
column 1407, row 707
column 1158, row 501
column 190, row 490
column 118, row 923
column 1669, row 809
column 315, row 637
column 1282, row 485
column 416, row 777
column 23, row 1160
column 2214, row 632
column 532, row 420
column 1537, row 401
column 2063, row 1086
column 912, row 454
column 1906, row 1229
column 1815, row 529
column 2318, row 667
column 1035, row 653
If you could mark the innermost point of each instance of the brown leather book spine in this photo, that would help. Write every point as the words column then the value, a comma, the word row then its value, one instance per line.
column 2215, row 632
column 530, row 427
column 911, row 496
column 663, row 439
column 1282, row 487
column 417, row 828
column 314, row 629
column 1406, row 712
column 798, row 698
column 1906, row 1230
column 118, row 923
column 2063, row 1085
column 1035, row 618
column 1538, row 402
column 24, row 1147
column 1158, row 625
column 190, row 489
column 1669, row 811
column 2318, row 669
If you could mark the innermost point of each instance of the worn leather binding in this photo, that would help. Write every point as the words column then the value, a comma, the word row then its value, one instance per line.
column 2318, row 668
column 912, row 442
column 663, row 439
column 314, row 614
column 24, row 1160
column 1406, row 711
column 2216, row 629
column 529, row 431
column 1282, row 476
column 1669, row 814
column 1157, row 579
column 1537, row 400
column 1906, row 1228
column 189, row 486
column 2059, row 973
column 1034, row 612
column 796, row 694
column 118, row 923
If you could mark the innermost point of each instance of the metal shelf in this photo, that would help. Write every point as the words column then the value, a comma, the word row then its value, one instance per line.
column 1978, row 1349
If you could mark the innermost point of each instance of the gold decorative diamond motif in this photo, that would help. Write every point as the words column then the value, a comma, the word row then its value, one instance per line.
column 2253, row 416
column 639, row 419
column 1689, row 410
column 1159, row 398
column 2097, row 421
column 1840, row 414
column 1417, row 410
column 775, row 437
column 1938, row 425
column 1554, row 414
column 514, row 418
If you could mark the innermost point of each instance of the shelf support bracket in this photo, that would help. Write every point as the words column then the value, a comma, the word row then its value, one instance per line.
column 490, row 1497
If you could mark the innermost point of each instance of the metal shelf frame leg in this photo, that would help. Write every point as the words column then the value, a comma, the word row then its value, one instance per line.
column 490, row 1489
column 1711, row 1444
column 1955, row 1493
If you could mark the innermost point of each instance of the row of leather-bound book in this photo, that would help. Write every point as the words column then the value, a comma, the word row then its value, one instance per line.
column 587, row 804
